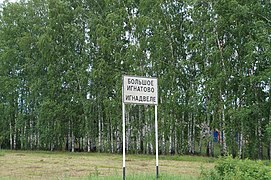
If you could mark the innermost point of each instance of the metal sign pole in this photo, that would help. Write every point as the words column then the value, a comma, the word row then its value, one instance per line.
column 156, row 141
column 139, row 90
column 123, row 139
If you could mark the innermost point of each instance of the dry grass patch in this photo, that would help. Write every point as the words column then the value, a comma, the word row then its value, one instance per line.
column 55, row 165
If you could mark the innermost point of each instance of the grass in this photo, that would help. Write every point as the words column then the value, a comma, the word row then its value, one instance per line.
column 2, row 153
column 146, row 177
column 65, row 165
column 189, row 158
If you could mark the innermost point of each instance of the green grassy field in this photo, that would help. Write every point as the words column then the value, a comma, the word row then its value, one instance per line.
column 65, row 165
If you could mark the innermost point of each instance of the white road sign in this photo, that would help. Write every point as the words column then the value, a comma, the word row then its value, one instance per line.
column 140, row 90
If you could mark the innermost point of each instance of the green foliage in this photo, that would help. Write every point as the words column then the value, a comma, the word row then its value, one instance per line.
column 268, row 130
column 61, row 63
column 229, row 168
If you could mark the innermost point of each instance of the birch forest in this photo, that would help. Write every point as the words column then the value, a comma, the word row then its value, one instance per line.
column 62, row 62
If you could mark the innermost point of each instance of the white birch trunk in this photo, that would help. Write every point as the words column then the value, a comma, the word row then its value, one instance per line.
column 175, row 139
column 150, row 142
column 51, row 143
column 193, row 136
column 240, row 145
column 147, row 148
column 260, row 151
column 128, row 131
column 170, row 139
column 151, row 146
column 25, row 137
column 163, row 139
column 189, row 134
column 68, row 145
column 38, row 139
column 21, row 138
column 73, row 139
column 118, row 141
column 209, row 145
column 171, row 135
column 88, row 143
column 163, row 143
column 68, row 141
column 224, row 144
column 15, row 135
column 31, row 134
column 10, row 135
column 100, row 133
column 138, row 139
column 200, row 140
column 112, row 138
column 51, row 146
column 144, row 137
column 182, row 134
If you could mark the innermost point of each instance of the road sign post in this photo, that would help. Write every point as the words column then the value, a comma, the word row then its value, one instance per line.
column 123, row 137
column 139, row 90
column 156, row 141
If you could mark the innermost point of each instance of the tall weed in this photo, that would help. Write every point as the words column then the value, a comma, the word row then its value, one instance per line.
column 227, row 168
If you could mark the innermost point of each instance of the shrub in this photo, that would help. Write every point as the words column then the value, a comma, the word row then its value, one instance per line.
column 228, row 168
